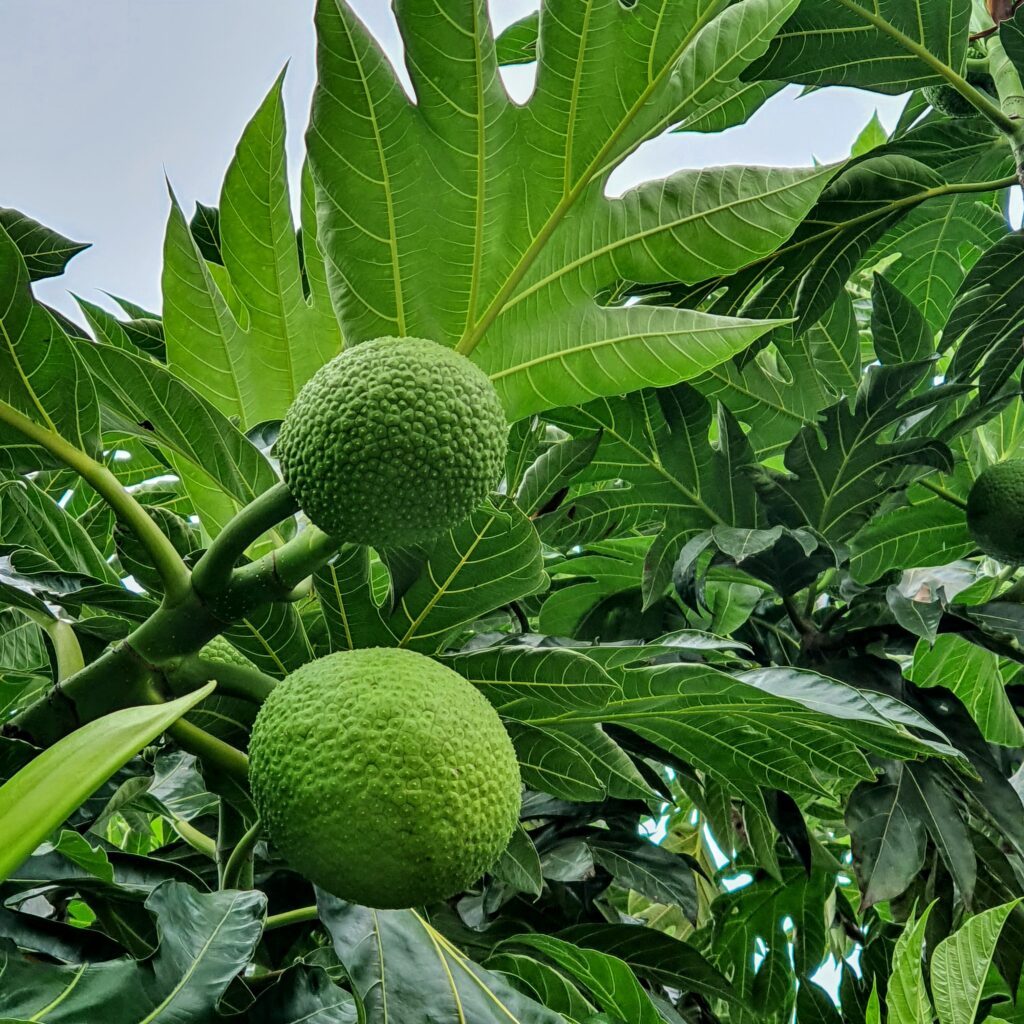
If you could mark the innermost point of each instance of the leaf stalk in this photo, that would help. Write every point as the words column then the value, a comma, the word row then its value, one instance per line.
column 174, row 574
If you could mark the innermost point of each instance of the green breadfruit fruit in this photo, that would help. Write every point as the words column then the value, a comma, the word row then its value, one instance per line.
column 995, row 511
column 223, row 652
column 393, row 442
column 384, row 777
column 227, row 718
column 946, row 100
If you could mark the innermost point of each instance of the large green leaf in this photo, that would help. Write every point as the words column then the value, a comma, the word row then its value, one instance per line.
column 786, row 385
column 935, row 247
column 987, row 316
column 773, row 914
column 609, row 980
column 402, row 968
column 874, row 44
column 40, row 373
column 806, row 275
column 544, row 983
column 887, row 835
column 961, row 964
column 526, row 255
column 974, row 675
column 808, row 737
column 931, row 532
column 656, row 957
column 653, row 444
column 518, row 679
column 31, row 519
column 907, row 1000
column 40, row 796
column 835, row 489
column 206, row 939
column 489, row 559
column 222, row 468
column 304, row 995
column 248, row 338
column 347, row 603
column 46, row 251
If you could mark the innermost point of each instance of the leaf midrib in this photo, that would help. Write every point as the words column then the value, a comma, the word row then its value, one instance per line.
column 470, row 339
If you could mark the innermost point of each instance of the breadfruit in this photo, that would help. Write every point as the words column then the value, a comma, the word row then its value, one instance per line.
column 384, row 777
column 995, row 511
column 223, row 652
column 393, row 442
column 946, row 100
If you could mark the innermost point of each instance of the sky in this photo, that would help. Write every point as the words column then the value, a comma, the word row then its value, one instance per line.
column 106, row 97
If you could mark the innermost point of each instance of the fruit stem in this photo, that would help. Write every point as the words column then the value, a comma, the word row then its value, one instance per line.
column 241, row 858
column 232, row 680
column 944, row 494
column 212, row 574
column 226, row 758
column 275, row 576
column 296, row 916
column 174, row 575
column 195, row 838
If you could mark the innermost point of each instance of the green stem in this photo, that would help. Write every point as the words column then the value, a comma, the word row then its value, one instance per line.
column 174, row 575
column 276, row 575
column 226, row 758
column 241, row 858
column 212, row 574
column 66, row 650
column 232, row 680
column 161, row 643
column 291, row 917
column 945, row 495
column 803, row 627
column 197, row 840
column 978, row 99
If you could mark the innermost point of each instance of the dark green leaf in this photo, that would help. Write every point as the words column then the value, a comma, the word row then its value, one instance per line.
column 46, row 252
column 401, row 968
column 206, row 939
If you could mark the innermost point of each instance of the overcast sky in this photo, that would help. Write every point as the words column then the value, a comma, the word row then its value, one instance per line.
column 103, row 97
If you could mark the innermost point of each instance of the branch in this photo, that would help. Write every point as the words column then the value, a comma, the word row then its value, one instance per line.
column 274, row 576
column 168, row 563
column 803, row 626
column 212, row 574
column 232, row 680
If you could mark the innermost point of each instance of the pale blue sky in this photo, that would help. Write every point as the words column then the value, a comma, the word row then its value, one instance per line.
column 105, row 96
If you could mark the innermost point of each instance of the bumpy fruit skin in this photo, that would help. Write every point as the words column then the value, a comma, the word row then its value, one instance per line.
column 946, row 100
column 995, row 511
column 393, row 442
column 222, row 652
column 384, row 777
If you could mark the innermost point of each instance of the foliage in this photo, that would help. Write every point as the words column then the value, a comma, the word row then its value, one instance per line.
column 764, row 688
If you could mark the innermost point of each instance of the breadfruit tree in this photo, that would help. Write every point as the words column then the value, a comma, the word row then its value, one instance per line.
column 488, row 598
